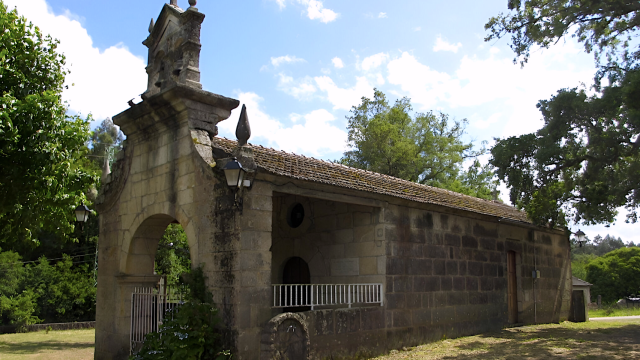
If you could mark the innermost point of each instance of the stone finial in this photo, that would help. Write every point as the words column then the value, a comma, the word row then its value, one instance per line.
column 173, row 2
column 243, row 130
column 151, row 25
column 193, row 3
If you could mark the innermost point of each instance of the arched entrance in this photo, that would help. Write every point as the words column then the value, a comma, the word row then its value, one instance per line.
column 296, row 271
column 158, row 255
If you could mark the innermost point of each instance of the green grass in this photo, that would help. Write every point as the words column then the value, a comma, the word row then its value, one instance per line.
column 614, row 311
column 589, row 340
column 55, row 345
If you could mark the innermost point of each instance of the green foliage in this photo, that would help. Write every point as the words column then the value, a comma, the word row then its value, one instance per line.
column 584, row 163
column 54, row 293
column 172, row 257
column 65, row 292
column 19, row 309
column 425, row 148
column 189, row 332
column 615, row 275
column 12, row 273
column 40, row 182
column 17, row 306
column 579, row 264
column 606, row 26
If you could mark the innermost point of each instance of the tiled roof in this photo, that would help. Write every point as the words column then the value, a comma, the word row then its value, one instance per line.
column 310, row 169
column 579, row 282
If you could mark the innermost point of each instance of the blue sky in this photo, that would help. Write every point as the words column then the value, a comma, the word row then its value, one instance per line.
column 299, row 65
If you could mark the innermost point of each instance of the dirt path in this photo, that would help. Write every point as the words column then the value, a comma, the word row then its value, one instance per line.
column 616, row 318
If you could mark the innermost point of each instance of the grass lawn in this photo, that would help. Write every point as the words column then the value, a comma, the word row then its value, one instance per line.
column 614, row 312
column 56, row 345
column 590, row 340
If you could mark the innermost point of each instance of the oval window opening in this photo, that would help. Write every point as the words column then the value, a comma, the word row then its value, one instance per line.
column 296, row 215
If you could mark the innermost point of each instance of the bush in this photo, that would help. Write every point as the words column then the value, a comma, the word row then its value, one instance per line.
column 190, row 331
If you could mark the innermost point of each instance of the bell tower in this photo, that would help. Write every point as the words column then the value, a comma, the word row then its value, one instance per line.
column 174, row 49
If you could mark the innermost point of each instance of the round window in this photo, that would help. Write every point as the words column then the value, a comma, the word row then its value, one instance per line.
column 296, row 215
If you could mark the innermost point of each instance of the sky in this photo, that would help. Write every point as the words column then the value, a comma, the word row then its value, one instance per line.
column 300, row 65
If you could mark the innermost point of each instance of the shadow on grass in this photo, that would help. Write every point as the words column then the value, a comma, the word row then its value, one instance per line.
column 554, row 342
column 32, row 347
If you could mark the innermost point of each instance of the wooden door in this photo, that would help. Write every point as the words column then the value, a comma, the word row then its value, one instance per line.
column 512, row 287
column 577, row 306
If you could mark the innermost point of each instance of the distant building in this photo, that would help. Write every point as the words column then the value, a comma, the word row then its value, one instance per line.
column 581, row 298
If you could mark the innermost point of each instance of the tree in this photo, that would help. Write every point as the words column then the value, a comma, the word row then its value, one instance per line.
column 40, row 182
column 616, row 274
column 604, row 26
column 173, row 258
column 584, row 163
column 579, row 264
column 106, row 140
column 425, row 148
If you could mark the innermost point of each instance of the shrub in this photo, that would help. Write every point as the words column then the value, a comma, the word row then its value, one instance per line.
column 190, row 331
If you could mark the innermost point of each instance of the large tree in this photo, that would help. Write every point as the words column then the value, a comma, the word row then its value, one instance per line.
column 585, row 161
column 40, row 179
column 426, row 148
column 106, row 140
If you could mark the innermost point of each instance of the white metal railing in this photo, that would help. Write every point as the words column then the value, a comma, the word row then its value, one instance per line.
column 312, row 295
column 148, row 308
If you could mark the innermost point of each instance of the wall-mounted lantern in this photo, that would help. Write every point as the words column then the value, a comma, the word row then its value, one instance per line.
column 82, row 213
column 581, row 236
column 236, row 175
column 236, row 179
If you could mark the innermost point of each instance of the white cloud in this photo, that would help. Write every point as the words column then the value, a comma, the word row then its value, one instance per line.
column 277, row 61
column 481, row 122
column 382, row 15
column 443, row 45
column 417, row 28
column 301, row 89
column 316, row 136
column 344, row 98
column 314, row 9
column 374, row 61
column 479, row 81
column 424, row 85
column 104, row 79
column 337, row 62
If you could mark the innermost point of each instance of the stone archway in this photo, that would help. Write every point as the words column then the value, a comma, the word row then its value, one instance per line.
column 285, row 337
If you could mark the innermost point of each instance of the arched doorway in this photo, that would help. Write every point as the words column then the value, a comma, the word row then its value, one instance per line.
column 296, row 271
column 159, row 254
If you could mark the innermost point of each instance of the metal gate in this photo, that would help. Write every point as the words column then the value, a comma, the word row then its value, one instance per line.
column 148, row 308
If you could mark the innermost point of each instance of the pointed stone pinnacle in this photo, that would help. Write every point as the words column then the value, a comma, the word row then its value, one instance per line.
column 151, row 25
column 243, row 130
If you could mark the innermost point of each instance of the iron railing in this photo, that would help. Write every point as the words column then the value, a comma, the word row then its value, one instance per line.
column 148, row 308
column 313, row 295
